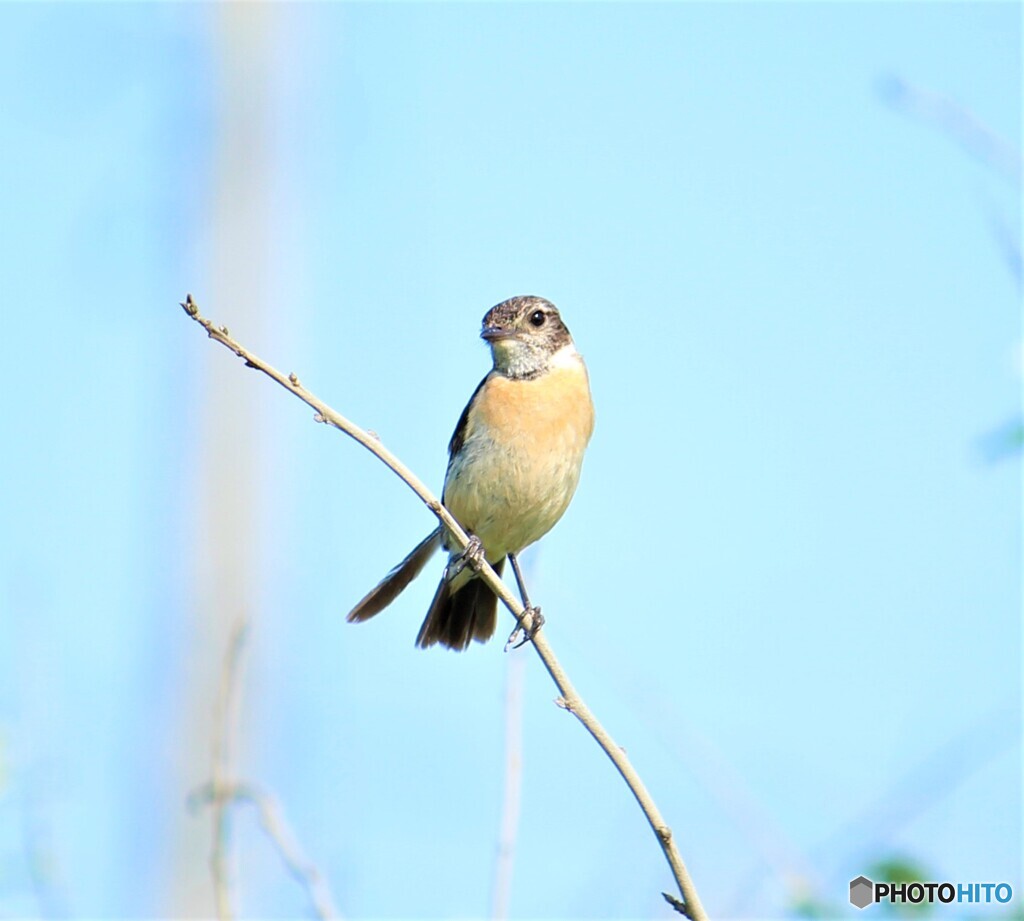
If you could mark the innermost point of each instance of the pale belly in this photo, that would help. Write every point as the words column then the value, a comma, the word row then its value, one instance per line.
column 511, row 495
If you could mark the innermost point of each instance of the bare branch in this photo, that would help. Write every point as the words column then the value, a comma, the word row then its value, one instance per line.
column 272, row 821
column 223, row 791
column 570, row 699
column 956, row 121
column 225, row 728
column 505, row 859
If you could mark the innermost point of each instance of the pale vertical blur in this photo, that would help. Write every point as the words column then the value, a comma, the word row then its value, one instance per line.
column 229, row 468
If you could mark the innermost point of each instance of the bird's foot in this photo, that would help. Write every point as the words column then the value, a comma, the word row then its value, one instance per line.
column 473, row 556
column 536, row 622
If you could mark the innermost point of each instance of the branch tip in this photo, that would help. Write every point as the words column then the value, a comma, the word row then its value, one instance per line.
column 678, row 905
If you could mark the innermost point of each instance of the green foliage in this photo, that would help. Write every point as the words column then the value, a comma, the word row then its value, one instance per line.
column 898, row 869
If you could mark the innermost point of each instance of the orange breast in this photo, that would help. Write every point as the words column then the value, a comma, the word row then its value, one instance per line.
column 547, row 410
column 521, row 458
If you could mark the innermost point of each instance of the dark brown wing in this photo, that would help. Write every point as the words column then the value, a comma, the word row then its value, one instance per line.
column 459, row 435
column 395, row 582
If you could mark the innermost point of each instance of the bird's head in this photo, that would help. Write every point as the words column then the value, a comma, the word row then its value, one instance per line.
column 524, row 334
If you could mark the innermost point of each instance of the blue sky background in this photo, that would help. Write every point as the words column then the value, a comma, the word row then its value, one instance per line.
column 789, row 583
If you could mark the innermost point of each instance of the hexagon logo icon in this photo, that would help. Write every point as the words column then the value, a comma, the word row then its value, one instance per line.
column 862, row 892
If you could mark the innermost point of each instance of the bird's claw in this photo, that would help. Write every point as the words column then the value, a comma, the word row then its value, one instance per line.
column 536, row 622
column 473, row 556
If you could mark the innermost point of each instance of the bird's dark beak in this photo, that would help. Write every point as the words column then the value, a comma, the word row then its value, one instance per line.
column 494, row 333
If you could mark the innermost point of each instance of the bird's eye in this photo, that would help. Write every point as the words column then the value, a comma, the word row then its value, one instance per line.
column 537, row 318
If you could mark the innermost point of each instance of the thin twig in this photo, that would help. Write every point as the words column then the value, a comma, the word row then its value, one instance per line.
column 570, row 700
column 505, row 859
column 223, row 791
column 957, row 122
column 225, row 728
column 276, row 828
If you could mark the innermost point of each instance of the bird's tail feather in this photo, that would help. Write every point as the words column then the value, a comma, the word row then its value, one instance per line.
column 394, row 583
column 455, row 618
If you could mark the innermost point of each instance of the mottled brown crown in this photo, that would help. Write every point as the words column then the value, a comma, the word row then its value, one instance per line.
column 520, row 315
column 508, row 312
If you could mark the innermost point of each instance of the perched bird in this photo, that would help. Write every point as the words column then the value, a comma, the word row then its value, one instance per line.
column 513, row 465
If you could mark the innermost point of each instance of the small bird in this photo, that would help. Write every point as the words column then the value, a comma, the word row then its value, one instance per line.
column 513, row 466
